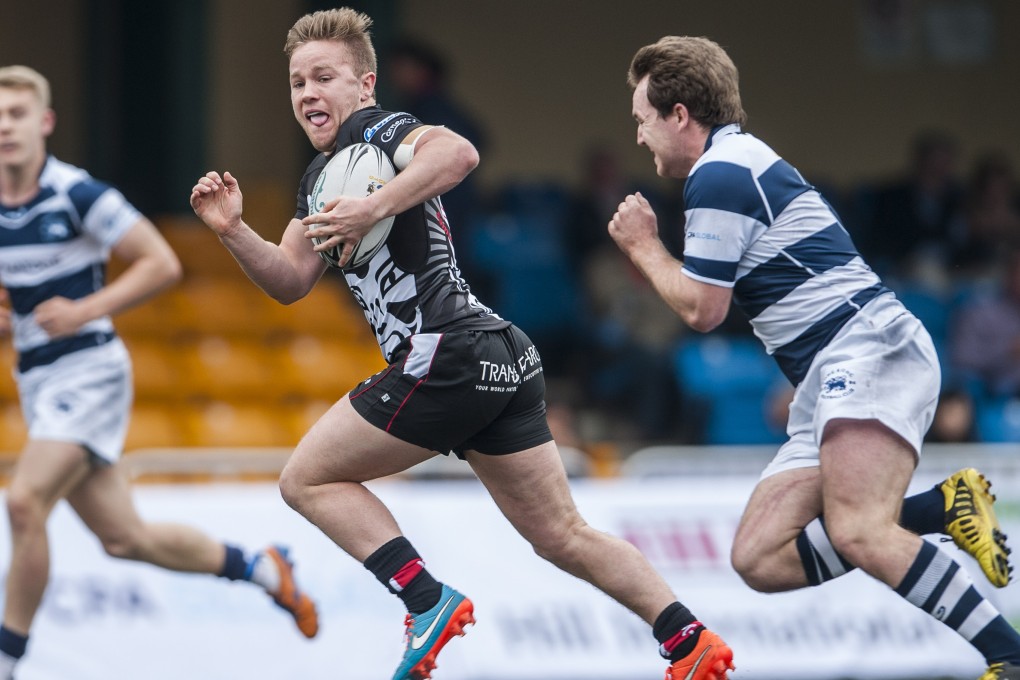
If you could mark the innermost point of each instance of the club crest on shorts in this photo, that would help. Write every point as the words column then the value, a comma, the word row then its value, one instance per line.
column 838, row 383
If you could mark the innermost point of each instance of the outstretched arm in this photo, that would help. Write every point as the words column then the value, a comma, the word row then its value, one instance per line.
column 286, row 272
column 702, row 306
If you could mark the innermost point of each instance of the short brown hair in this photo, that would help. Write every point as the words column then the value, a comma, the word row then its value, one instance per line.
column 343, row 25
column 25, row 78
column 695, row 72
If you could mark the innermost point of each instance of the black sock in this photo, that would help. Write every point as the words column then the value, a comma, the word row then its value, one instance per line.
column 677, row 631
column 235, row 566
column 925, row 513
column 12, row 644
column 398, row 566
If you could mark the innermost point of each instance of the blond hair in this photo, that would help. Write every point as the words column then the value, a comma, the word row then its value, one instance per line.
column 695, row 72
column 25, row 78
column 343, row 25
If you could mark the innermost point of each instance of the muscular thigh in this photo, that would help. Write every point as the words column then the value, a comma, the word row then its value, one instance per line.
column 779, row 508
column 104, row 503
column 49, row 470
column 866, row 468
column 344, row 447
column 530, row 488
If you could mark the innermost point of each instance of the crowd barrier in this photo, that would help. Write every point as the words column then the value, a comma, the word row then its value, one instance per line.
column 108, row 619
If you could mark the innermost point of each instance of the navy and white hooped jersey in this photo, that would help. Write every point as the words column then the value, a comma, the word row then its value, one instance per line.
column 413, row 284
column 754, row 224
column 58, row 244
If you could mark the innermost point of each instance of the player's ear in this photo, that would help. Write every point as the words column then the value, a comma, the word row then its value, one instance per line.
column 681, row 115
column 368, row 86
column 49, row 122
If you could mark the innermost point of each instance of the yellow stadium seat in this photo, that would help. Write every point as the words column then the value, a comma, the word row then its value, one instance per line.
column 8, row 358
column 158, row 369
column 198, row 248
column 329, row 310
column 223, row 368
column 225, row 306
column 154, row 318
column 157, row 424
column 13, row 432
column 323, row 368
column 239, row 424
column 302, row 414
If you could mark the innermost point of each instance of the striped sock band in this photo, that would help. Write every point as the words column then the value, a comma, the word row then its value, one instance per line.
column 819, row 557
column 938, row 585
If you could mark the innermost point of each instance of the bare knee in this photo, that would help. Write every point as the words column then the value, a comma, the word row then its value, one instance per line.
column 855, row 538
column 122, row 544
column 748, row 565
column 291, row 488
column 26, row 511
column 758, row 570
column 557, row 544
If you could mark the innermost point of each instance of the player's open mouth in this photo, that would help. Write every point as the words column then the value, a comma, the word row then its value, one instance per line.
column 317, row 118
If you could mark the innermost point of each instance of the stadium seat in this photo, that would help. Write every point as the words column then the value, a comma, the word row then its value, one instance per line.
column 548, row 200
column 224, row 306
column 732, row 377
column 998, row 419
column 13, row 432
column 328, row 310
column 231, row 368
column 157, row 424
column 932, row 308
column 531, row 280
column 158, row 371
column 325, row 368
column 154, row 318
column 239, row 424
column 8, row 358
column 197, row 247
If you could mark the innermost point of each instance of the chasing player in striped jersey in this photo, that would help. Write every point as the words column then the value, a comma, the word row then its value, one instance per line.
column 866, row 374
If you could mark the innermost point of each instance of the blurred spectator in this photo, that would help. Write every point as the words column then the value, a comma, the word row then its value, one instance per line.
column 955, row 420
column 418, row 74
column 985, row 335
column 909, row 225
column 627, row 367
column 603, row 186
column 992, row 217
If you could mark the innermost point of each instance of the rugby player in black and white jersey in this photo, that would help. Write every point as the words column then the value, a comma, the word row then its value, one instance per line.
column 460, row 378
column 58, row 228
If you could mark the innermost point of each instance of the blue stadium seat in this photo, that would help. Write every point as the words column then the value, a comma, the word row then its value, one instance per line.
column 998, row 419
column 934, row 310
column 733, row 377
column 527, row 260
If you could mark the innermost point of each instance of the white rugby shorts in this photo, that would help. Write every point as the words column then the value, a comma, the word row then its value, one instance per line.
column 882, row 366
column 83, row 397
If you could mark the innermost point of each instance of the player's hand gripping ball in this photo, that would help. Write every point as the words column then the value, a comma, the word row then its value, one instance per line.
column 356, row 170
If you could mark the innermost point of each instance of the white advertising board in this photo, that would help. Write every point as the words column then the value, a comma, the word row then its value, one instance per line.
column 104, row 619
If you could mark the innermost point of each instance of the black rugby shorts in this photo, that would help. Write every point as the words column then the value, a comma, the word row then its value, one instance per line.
column 459, row 391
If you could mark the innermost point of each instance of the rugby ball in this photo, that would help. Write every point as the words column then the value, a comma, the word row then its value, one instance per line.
column 356, row 170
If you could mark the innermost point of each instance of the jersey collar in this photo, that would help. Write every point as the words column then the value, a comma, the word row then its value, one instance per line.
column 720, row 131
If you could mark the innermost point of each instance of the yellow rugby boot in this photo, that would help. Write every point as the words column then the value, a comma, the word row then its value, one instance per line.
column 971, row 522
column 1002, row 671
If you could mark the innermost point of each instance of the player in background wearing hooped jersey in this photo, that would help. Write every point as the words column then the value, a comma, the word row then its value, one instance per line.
column 58, row 229
column 459, row 378
column 865, row 370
